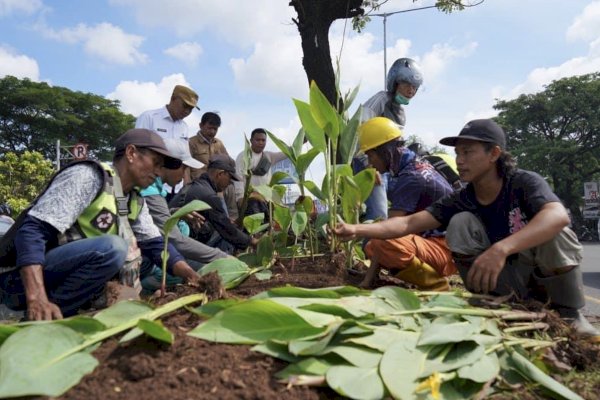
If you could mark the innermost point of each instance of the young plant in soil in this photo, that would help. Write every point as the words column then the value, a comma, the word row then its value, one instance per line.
column 194, row 205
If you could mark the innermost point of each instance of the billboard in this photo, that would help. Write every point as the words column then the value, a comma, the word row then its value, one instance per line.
column 591, row 201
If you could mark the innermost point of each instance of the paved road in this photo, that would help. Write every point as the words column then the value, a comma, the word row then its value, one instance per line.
column 591, row 279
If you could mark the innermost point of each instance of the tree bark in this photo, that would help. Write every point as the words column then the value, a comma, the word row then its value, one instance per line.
column 314, row 20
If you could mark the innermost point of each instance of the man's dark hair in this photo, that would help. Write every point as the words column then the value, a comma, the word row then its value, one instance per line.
column 211, row 118
column 506, row 164
column 257, row 131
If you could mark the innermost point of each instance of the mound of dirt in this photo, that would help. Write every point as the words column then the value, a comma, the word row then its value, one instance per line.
column 195, row 369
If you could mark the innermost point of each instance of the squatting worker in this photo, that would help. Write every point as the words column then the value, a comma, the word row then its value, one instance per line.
column 507, row 230
column 424, row 258
column 86, row 228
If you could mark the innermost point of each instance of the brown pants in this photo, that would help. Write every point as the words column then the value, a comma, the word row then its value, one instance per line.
column 398, row 253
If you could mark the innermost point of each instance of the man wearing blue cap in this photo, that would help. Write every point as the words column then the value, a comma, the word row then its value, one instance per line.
column 508, row 232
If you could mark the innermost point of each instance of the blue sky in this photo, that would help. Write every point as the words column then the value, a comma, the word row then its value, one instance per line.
column 244, row 57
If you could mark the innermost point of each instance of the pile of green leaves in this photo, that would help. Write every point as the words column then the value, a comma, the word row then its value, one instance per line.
column 370, row 345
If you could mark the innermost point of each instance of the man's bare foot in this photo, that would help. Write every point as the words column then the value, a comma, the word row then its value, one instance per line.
column 370, row 276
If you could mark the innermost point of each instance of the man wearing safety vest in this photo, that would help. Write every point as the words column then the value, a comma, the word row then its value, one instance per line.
column 85, row 229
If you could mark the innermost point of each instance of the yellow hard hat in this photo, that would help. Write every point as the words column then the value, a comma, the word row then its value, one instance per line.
column 377, row 131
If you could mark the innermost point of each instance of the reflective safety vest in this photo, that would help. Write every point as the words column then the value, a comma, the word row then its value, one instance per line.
column 101, row 216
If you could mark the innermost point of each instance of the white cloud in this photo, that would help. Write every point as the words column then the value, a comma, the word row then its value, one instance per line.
column 104, row 41
column 586, row 26
column 188, row 52
column 274, row 67
column 137, row 97
column 9, row 7
column 437, row 59
column 18, row 65
column 539, row 77
column 240, row 22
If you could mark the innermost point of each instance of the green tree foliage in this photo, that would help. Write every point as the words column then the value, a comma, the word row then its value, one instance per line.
column 22, row 176
column 34, row 115
column 556, row 133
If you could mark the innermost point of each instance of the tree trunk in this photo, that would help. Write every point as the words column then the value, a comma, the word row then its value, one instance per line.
column 314, row 19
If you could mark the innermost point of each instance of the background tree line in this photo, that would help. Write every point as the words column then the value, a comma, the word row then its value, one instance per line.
column 555, row 132
column 33, row 116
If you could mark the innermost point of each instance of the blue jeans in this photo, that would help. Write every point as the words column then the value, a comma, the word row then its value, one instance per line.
column 74, row 273
column 377, row 202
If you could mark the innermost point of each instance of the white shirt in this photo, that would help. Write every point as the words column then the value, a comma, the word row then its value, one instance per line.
column 160, row 121
column 256, row 180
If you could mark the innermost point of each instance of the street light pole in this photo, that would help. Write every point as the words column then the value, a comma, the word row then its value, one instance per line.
column 384, row 50
column 386, row 15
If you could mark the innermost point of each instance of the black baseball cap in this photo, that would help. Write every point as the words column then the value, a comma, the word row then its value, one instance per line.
column 142, row 138
column 224, row 162
column 482, row 130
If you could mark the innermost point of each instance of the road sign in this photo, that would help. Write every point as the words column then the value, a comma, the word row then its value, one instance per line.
column 79, row 151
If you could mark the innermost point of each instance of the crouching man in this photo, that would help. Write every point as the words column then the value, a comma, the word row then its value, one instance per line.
column 506, row 229
column 90, row 225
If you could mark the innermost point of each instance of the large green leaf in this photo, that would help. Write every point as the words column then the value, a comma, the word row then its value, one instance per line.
column 265, row 250
column 283, row 216
column 358, row 356
column 530, row 371
column 255, row 321
column 315, row 135
column 446, row 301
column 442, row 332
column 365, row 180
column 276, row 350
column 299, row 221
column 298, row 142
column 460, row 354
column 278, row 176
column 213, row 307
column 349, row 138
column 156, row 330
column 121, row 312
column 482, row 370
column 6, row 331
column 400, row 366
column 284, row 148
column 314, row 346
column 314, row 189
column 399, row 298
column 304, row 160
column 254, row 223
column 36, row 361
column 356, row 382
column 351, row 202
column 384, row 336
column 328, row 293
column 323, row 112
column 307, row 366
column 230, row 270
column 329, row 309
column 83, row 324
column 194, row 205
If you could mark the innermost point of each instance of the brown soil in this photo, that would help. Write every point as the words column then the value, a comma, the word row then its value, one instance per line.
column 194, row 369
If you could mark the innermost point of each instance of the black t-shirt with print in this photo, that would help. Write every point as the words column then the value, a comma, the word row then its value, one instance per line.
column 522, row 196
